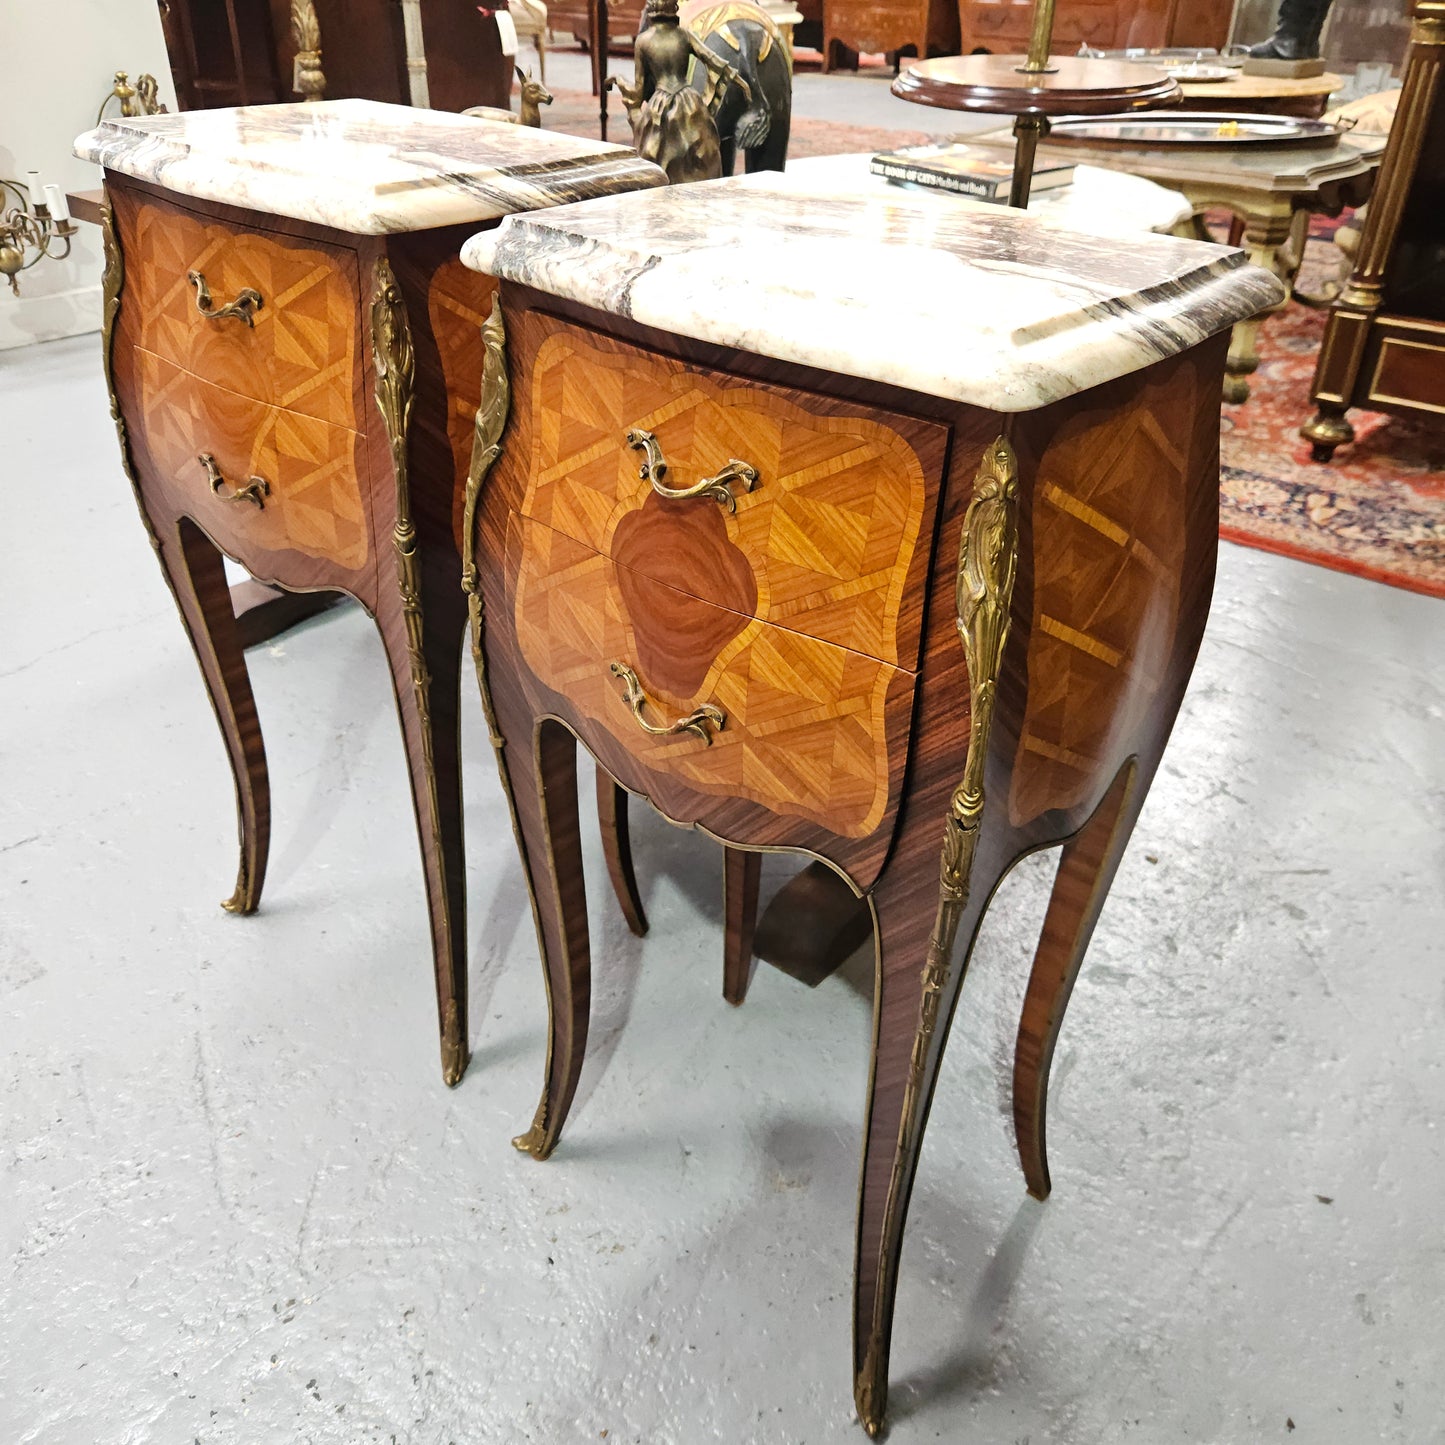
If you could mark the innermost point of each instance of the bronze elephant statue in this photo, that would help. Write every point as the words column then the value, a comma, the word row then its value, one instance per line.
column 744, row 36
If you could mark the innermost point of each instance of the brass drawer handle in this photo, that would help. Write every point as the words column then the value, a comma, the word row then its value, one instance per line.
column 254, row 490
column 248, row 301
column 654, row 470
column 695, row 722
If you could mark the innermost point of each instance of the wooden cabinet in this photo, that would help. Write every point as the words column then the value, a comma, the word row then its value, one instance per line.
column 1002, row 26
column 764, row 640
column 269, row 432
column 293, row 387
column 1384, row 342
column 927, row 27
column 241, row 52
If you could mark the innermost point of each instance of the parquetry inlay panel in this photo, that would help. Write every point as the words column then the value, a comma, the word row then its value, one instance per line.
column 808, row 723
column 1108, row 548
column 314, row 505
column 301, row 352
column 830, row 531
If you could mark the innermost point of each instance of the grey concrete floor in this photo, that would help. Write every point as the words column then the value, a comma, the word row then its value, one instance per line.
column 238, row 1205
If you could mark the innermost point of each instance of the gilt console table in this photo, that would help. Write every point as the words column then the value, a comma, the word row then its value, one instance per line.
column 289, row 336
column 907, row 578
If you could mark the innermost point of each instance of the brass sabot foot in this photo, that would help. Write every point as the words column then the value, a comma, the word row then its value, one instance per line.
column 243, row 900
column 455, row 1053
column 533, row 1142
column 870, row 1400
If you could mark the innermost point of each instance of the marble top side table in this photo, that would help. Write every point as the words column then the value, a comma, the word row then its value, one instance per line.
column 287, row 330
column 908, row 579
column 1274, row 190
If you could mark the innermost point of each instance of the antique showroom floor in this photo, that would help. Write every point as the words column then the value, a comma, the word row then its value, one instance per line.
column 238, row 1204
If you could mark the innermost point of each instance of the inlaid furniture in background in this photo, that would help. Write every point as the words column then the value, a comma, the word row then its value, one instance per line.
column 1384, row 343
column 1274, row 190
column 908, row 579
column 1003, row 26
column 290, row 383
column 927, row 27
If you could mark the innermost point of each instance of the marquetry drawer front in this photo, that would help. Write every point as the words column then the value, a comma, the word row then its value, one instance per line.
column 276, row 480
column 819, row 512
column 801, row 726
column 296, row 348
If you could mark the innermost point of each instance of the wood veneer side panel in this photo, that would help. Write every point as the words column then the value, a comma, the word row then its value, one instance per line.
column 1122, row 722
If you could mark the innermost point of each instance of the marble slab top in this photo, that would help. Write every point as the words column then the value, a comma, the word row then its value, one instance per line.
column 1100, row 202
column 361, row 166
column 1002, row 310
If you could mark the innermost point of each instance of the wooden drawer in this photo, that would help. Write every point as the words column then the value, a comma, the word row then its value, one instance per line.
column 1409, row 368
column 811, row 730
column 313, row 501
column 301, row 349
column 831, row 542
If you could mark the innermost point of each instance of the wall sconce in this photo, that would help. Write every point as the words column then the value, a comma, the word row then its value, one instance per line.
column 142, row 98
column 32, row 225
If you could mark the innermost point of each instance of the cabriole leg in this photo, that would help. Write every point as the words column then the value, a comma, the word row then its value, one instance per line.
column 198, row 578
column 1086, row 871
column 612, row 820
column 546, row 800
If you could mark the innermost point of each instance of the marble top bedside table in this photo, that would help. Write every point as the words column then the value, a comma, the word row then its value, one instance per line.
column 289, row 335
column 857, row 526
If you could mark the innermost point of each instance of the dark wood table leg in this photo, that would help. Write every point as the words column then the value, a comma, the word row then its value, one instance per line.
column 544, row 784
column 617, row 849
column 423, row 648
column 197, row 575
column 742, row 871
column 924, row 940
column 601, row 40
column 1086, row 871
column 263, row 612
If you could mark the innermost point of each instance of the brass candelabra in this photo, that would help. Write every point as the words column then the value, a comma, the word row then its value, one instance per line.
column 31, row 225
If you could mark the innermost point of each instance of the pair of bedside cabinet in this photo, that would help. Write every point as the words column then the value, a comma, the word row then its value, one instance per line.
column 907, row 579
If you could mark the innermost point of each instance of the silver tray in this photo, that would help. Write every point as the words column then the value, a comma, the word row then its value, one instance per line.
column 1193, row 129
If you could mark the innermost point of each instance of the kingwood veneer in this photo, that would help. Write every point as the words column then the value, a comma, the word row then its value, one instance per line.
column 289, row 381
column 910, row 585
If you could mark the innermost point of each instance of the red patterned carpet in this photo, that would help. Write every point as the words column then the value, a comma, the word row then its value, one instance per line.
column 1378, row 510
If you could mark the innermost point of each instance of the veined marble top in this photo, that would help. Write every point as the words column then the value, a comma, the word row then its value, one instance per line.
column 362, row 166
column 1000, row 310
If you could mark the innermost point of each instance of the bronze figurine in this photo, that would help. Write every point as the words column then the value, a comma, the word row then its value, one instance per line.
column 673, row 125
column 533, row 96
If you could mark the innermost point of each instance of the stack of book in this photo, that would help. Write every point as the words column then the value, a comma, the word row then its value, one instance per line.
column 958, row 167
